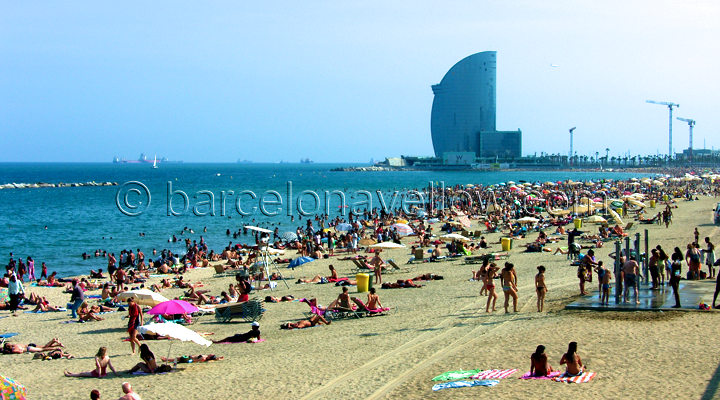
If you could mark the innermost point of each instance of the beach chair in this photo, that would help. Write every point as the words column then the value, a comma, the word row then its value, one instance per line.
column 419, row 255
column 340, row 313
column 361, row 266
column 395, row 268
column 628, row 226
column 249, row 311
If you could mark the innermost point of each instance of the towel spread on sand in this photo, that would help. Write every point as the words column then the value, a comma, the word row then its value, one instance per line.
column 582, row 378
column 494, row 374
column 453, row 375
column 548, row 377
column 40, row 312
column 459, row 384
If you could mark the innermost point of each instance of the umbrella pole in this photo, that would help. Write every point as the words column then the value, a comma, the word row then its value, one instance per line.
column 169, row 348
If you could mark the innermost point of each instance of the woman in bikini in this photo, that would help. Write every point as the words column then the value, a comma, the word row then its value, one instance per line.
column 305, row 323
column 574, row 365
column 102, row 362
column 508, row 279
column 490, row 286
column 540, row 288
column 148, row 364
column 539, row 365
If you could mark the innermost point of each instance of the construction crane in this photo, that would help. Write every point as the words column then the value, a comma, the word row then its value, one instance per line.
column 691, row 124
column 571, row 143
column 670, row 108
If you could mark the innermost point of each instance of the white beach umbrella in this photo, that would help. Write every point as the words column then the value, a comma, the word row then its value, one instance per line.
column 175, row 331
column 402, row 229
column 527, row 220
column 596, row 219
column 144, row 297
column 257, row 229
column 453, row 236
column 387, row 245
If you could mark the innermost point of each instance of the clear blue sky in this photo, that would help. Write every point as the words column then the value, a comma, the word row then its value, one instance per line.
column 344, row 81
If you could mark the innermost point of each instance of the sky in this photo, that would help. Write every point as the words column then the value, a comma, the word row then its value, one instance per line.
column 338, row 81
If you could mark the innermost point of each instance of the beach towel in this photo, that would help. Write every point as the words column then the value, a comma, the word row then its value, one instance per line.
column 494, row 374
column 582, row 378
column 4, row 295
column 548, row 377
column 454, row 375
column 459, row 384
column 93, row 296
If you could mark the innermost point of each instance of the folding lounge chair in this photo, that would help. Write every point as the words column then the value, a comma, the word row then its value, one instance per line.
column 419, row 255
column 220, row 270
column 395, row 268
column 361, row 266
column 249, row 311
column 362, row 308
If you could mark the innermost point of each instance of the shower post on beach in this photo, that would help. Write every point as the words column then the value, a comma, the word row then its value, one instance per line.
column 618, row 281
column 647, row 255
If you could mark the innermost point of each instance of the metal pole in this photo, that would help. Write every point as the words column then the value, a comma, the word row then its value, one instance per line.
column 618, row 280
column 640, row 260
column 647, row 255
column 670, row 107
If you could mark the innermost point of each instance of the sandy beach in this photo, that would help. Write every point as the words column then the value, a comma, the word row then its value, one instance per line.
column 437, row 328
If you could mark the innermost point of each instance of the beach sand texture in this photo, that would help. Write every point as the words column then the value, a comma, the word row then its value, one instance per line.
column 437, row 328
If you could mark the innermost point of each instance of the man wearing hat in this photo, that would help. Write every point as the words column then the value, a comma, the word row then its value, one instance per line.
column 253, row 335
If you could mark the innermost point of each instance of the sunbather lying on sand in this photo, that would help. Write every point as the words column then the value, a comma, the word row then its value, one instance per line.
column 305, row 323
column 401, row 284
column 53, row 355
column 195, row 359
column 253, row 335
column 16, row 348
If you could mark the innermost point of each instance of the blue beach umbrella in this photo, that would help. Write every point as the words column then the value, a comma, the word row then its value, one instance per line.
column 300, row 261
column 289, row 236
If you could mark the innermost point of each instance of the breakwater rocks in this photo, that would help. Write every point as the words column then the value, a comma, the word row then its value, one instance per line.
column 363, row 169
column 54, row 185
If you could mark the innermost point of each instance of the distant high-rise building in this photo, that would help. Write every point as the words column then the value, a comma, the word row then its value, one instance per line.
column 463, row 111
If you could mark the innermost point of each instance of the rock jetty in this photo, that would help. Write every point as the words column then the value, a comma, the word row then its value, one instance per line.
column 53, row 185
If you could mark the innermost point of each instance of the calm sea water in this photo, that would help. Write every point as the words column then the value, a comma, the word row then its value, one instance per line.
column 83, row 219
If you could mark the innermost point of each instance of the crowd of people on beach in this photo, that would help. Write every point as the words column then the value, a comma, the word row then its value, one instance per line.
column 515, row 211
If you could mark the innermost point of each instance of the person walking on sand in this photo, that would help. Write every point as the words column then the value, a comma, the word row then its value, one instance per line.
column 135, row 320
column 490, row 286
column 540, row 288
column 76, row 298
column 508, row 280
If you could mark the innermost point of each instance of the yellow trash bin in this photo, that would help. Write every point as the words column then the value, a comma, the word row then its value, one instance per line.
column 578, row 223
column 652, row 203
column 665, row 197
column 363, row 282
column 619, row 211
column 506, row 243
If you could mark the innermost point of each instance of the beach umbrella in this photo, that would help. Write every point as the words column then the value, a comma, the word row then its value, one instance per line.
column 172, row 307
column 343, row 227
column 453, row 236
column 616, row 217
column 527, row 220
column 300, row 261
column 289, row 236
column 402, row 229
column 401, row 221
column 144, row 297
column 175, row 331
column 10, row 389
column 596, row 219
column 273, row 251
column 387, row 245
column 367, row 241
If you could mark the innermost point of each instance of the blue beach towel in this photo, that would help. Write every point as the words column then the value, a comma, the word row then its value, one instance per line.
column 459, row 384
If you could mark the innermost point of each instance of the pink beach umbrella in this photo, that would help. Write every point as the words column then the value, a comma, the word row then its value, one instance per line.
column 172, row 307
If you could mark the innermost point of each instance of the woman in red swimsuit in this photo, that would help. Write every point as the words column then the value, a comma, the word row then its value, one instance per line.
column 492, row 270
column 135, row 319
column 102, row 361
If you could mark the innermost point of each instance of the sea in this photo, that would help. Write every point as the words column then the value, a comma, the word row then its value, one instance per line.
column 149, row 206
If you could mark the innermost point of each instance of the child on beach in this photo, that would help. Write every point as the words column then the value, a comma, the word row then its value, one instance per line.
column 604, row 277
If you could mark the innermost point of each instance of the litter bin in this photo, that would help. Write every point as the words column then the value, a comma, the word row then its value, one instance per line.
column 578, row 223
column 506, row 243
column 363, row 282
column 619, row 211
column 665, row 197
column 652, row 203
